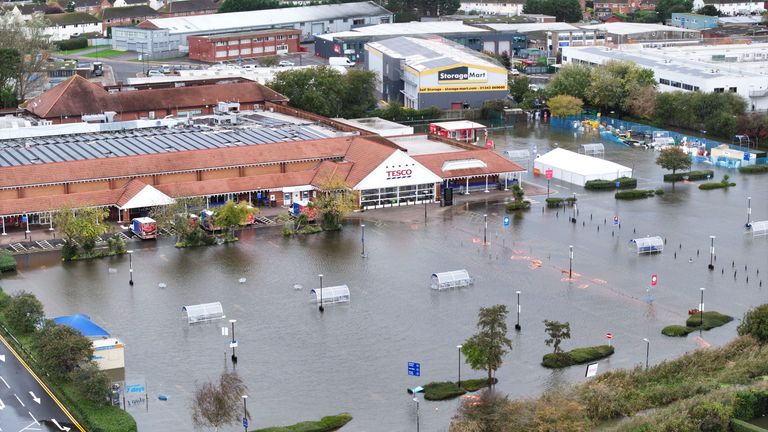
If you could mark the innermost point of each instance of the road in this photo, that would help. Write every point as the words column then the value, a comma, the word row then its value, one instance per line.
column 25, row 403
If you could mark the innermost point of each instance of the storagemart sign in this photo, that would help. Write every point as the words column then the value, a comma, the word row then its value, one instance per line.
column 462, row 74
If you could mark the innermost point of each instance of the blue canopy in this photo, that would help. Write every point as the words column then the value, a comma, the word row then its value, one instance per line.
column 83, row 324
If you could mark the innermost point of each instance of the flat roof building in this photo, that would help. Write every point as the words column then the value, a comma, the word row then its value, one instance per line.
column 240, row 46
column 425, row 72
column 168, row 36
column 741, row 69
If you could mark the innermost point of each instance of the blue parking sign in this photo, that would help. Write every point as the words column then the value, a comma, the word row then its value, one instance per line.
column 506, row 220
column 245, row 422
column 414, row 369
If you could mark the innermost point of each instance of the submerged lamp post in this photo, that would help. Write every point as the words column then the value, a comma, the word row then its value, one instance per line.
column 517, row 326
column 321, row 308
column 749, row 212
column 573, row 219
column 245, row 413
column 362, row 239
column 570, row 262
column 426, row 193
column 485, row 230
column 458, row 347
column 234, row 342
column 647, row 351
column 712, row 252
column 130, row 267
column 416, row 399
column 701, row 307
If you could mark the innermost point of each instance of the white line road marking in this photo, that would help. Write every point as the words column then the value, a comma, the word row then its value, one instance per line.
column 35, row 398
column 17, row 398
column 65, row 428
column 6, row 384
column 33, row 418
column 2, row 358
column 2, row 407
column 29, row 428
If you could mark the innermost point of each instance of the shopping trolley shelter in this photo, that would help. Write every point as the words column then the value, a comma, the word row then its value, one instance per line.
column 415, row 294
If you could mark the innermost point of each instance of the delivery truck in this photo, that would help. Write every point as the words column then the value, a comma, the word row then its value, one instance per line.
column 144, row 228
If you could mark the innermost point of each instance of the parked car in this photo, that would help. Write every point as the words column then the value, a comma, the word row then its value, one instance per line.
column 285, row 63
column 514, row 72
column 154, row 73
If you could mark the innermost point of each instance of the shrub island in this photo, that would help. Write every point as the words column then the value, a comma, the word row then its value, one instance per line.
column 325, row 424
column 712, row 319
column 635, row 194
column 692, row 175
column 624, row 183
column 722, row 184
column 437, row 391
column 576, row 356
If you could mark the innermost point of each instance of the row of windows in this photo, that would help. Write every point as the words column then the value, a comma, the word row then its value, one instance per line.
column 256, row 40
column 678, row 84
column 246, row 51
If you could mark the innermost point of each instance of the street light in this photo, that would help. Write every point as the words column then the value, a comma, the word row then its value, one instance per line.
column 711, row 252
column 233, row 344
column 517, row 326
column 485, row 230
column 570, row 262
column 749, row 212
column 458, row 347
column 701, row 307
column 362, row 239
column 416, row 399
column 322, row 309
column 573, row 219
column 130, row 267
column 245, row 413
column 647, row 351
column 425, row 206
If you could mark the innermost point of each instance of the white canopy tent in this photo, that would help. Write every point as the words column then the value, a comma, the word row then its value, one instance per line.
column 577, row 169
column 451, row 279
column 332, row 294
column 648, row 244
column 203, row 312
column 759, row 228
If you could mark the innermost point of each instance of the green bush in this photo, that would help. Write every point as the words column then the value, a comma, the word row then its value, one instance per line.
column 742, row 426
column 754, row 169
column 716, row 185
column 576, row 356
column 755, row 323
column 634, row 194
column 624, row 183
column 68, row 251
column 711, row 416
column 473, row 385
column 554, row 202
column 692, row 175
column 712, row 319
column 749, row 404
column 659, row 191
column 310, row 229
column 71, row 44
column 326, row 424
column 197, row 237
column 92, row 383
column 24, row 311
column 442, row 390
column 7, row 261
column 676, row 331
column 518, row 205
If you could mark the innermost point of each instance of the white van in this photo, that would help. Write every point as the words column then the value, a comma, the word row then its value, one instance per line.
column 340, row 61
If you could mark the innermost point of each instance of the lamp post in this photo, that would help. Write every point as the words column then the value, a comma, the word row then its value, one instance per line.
column 234, row 342
column 701, row 307
column 416, row 399
column 485, row 230
column 245, row 413
column 130, row 267
column 425, row 206
column 712, row 252
column 362, row 239
column 573, row 219
column 570, row 262
column 321, row 308
column 517, row 326
column 647, row 351
column 458, row 347
column 749, row 212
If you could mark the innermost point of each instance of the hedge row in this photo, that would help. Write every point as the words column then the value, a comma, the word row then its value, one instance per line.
column 624, row 183
column 716, row 185
column 754, row 169
column 635, row 194
column 576, row 356
column 557, row 202
column 71, row 44
column 7, row 261
column 692, row 175
column 742, row 426
column 326, row 424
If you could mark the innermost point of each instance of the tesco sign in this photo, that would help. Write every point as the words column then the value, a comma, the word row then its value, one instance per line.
column 399, row 174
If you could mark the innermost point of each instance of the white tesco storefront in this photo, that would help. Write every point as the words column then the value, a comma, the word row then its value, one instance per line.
column 399, row 180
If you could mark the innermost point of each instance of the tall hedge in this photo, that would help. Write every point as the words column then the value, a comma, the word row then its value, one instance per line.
column 624, row 183
column 7, row 261
column 71, row 44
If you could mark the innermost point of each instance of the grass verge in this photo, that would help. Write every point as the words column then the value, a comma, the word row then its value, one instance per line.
column 106, row 53
column 712, row 319
column 325, row 424
column 72, row 51
column 576, row 356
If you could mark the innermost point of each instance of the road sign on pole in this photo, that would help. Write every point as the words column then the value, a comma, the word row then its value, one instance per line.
column 654, row 279
column 615, row 220
column 548, row 174
column 591, row 370
column 609, row 336
column 414, row 369
column 506, row 220
column 245, row 422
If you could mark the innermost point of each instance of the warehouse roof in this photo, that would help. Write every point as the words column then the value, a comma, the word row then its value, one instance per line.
column 427, row 53
column 533, row 27
column 406, row 29
column 265, row 18
column 627, row 28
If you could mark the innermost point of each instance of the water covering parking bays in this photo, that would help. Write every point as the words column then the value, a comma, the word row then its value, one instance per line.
column 302, row 365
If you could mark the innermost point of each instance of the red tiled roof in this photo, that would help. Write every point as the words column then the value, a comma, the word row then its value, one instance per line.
column 237, row 184
column 130, row 190
column 366, row 155
column 329, row 169
column 495, row 164
column 52, row 203
column 77, row 96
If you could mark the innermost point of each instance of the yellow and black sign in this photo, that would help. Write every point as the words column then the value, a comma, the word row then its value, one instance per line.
column 450, row 89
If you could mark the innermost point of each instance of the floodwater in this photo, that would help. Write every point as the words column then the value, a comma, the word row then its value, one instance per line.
column 301, row 365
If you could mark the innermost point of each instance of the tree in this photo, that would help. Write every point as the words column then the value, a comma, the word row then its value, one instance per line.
column 10, row 61
column 175, row 217
column 61, row 349
column 80, row 229
column 755, row 323
column 71, row 6
column 564, row 106
column 572, row 80
column 92, row 383
column 708, row 10
column 30, row 40
column 218, row 405
column 519, row 86
column 606, row 91
column 320, row 90
column 24, row 312
column 562, row 10
column 665, row 8
column 269, row 61
column 334, row 201
column 557, row 332
column 248, row 5
column 673, row 158
column 642, row 102
column 358, row 96
column 485, row 350
column 231, row 216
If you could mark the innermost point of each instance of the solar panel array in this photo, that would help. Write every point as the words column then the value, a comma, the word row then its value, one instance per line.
column 66, row 148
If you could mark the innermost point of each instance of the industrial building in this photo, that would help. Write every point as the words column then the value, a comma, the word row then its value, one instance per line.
column 550, row 36
column 738, row 69
column 624, row 33
column 351, row 44
column 237, row 46
column 733, row 7
column 426, row 72
column 165, row 37
column 693, row 21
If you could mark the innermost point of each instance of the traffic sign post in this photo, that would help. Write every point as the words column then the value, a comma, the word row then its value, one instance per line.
column 654, row 279
column 414, row 369
column 245, row 422
column 615, row 220
column 609, row 336
column 506, row 221
column 548, row 175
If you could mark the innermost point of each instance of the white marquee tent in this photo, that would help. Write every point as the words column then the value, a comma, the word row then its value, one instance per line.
column 577, row 168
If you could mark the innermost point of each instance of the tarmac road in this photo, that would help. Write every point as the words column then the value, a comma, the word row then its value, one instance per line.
column 26, row 404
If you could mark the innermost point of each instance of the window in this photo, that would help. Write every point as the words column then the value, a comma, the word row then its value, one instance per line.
column 330, row 21
column 695, row 88
column 232, row 42
column 719, row 90
column 732, row 89
column 269, row 49
column 221, row 53
column 346, row 19
column 270, row 38
column 234, row 52
column 258, row 50
column 385, row 20
column 676, row 84
column 293, row 36
column 359, row 21
column 245, row 51
column 687, row 87
column 281, row 37
column 663, row 81
column 245, row 41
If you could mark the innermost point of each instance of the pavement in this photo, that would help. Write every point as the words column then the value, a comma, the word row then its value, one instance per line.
column 26, row 403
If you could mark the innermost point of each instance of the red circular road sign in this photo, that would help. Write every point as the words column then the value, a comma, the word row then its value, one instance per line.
column 609, row 335
column 653, row 280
